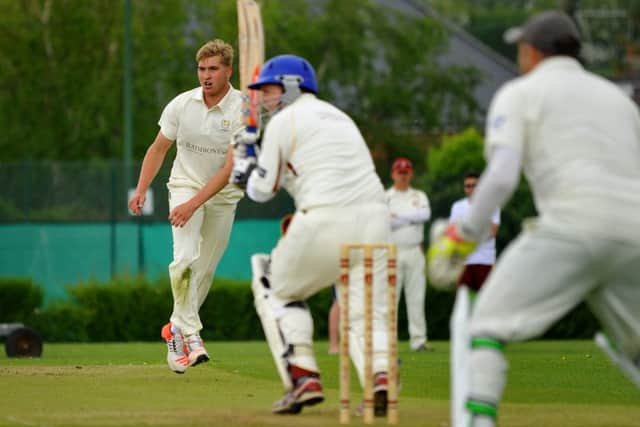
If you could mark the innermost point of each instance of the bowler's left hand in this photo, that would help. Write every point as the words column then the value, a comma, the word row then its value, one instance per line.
column 179, row 216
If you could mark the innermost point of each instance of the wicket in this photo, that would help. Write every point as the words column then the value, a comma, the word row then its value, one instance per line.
column 392, row 372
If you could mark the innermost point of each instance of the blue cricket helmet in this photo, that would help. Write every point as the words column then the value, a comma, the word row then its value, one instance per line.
column 277, row 68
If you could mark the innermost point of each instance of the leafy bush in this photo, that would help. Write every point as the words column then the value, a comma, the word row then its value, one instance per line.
column 133, row 309
column 19, row 298
column 63, row 321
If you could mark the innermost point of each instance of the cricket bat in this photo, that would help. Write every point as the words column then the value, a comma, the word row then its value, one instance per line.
column 251, row 57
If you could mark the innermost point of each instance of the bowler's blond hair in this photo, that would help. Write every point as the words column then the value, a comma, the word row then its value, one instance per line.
column 216, row 47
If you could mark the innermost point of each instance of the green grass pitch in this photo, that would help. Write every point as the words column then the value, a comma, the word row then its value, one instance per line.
column 551, row 384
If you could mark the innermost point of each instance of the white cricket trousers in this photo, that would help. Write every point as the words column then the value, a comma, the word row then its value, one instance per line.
column 540, row 277
column 307, row 259
column 412, row 280
column 197, row 249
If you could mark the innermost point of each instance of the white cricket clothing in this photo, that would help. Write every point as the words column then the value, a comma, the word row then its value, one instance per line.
column 579, row 138
column 197, row 249
column 316, row 152
column 409, row 211
column 485, row 252
column 411, row 279
column 202, row 138
column 578, row 135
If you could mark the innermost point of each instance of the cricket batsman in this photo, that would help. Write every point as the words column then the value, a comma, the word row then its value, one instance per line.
column 316, row 152
column 576, row 136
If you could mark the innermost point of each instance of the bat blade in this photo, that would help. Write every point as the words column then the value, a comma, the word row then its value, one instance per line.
column 251, row 57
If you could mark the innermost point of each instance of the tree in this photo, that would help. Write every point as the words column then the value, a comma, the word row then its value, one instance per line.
column 446, row 165
column 61, row 70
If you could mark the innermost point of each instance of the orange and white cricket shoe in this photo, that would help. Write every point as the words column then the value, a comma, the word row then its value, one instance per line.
column 177, row 357
column 307, row 391
column 195, row 349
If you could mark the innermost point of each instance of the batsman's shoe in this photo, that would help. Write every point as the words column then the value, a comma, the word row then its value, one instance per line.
column 380, row 386
column 197, row 353
column 380, row 396
column 307, row 392
column 177, row 357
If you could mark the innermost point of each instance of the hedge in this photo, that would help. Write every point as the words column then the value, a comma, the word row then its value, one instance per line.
column 19, row 299
column 134, row 309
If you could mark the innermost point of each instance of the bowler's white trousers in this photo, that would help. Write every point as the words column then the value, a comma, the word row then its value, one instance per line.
column 197, row 249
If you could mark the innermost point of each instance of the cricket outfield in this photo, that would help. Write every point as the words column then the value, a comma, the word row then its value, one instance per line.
column 551, row 384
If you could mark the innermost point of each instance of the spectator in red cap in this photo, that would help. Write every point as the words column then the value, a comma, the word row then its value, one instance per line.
column 409, row 211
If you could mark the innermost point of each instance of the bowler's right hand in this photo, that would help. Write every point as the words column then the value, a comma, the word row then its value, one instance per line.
column 136, row 202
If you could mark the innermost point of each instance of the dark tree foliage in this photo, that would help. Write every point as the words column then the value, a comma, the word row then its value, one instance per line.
column 61, row 74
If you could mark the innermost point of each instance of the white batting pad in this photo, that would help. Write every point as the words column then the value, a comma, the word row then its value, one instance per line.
column 259, row 267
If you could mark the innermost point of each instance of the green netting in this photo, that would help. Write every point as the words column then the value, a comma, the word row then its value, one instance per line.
column 93, row 191
column 59, row 255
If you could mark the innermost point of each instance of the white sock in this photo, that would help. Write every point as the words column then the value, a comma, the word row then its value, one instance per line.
column 174, row 329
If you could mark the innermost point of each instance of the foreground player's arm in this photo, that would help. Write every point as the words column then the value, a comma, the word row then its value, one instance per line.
column 181, row 213
column 495, row 186
column 150, row 166
column 505, row 142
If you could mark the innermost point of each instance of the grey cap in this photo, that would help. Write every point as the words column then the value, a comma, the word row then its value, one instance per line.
column 544, row 30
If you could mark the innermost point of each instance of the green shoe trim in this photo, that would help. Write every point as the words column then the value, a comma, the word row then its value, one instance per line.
column 481, row 408
column 487, row 342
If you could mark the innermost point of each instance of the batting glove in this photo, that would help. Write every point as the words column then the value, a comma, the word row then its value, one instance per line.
column 447, row 254
column 245, row 157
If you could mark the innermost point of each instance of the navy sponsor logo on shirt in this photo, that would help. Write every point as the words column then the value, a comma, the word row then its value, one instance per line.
column 496, row 123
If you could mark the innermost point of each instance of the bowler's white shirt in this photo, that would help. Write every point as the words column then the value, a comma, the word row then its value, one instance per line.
column 316, row 152
column 411, row 203
column 202, row 138
column 485, row 252
column 579, row 137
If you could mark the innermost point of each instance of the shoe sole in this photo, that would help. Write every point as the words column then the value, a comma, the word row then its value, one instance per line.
column 294, row 409
column 311, row 398
column 201, row 359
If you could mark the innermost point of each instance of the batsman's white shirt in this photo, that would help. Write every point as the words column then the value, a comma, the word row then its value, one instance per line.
column 485, row 253
column 318, row 155
column 202, row 137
